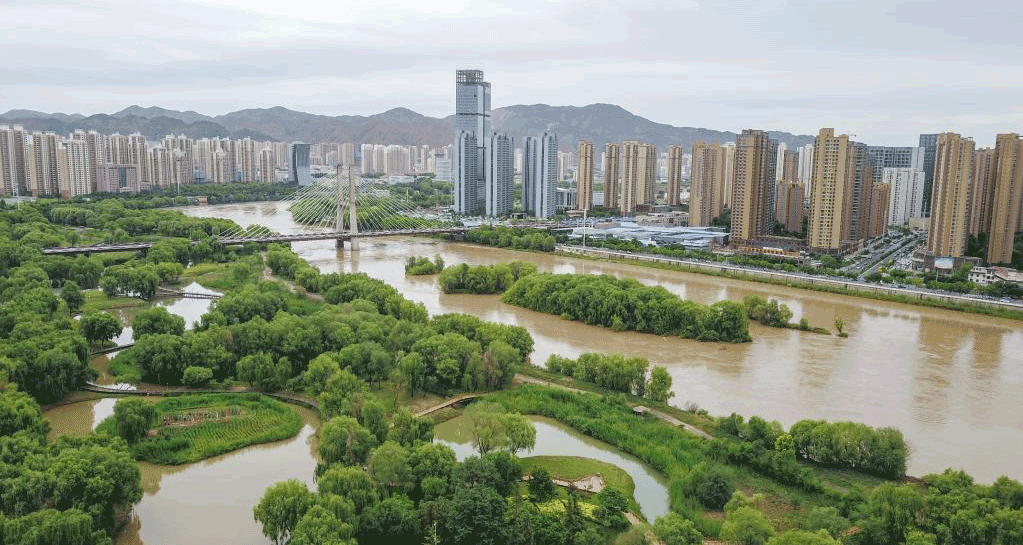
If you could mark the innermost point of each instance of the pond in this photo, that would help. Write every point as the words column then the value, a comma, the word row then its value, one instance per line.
column 556, row 439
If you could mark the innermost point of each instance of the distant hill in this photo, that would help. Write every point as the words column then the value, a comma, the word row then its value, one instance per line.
column 600, row 123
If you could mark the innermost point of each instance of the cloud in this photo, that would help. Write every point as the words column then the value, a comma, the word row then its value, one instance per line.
column 885, row 70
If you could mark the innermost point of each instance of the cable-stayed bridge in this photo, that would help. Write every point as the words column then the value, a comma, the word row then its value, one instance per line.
column 343, row 208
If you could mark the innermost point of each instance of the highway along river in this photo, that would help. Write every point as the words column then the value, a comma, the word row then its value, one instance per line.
column 950, row 381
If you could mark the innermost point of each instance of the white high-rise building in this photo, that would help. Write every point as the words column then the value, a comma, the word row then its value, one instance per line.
column 539, row 175
column 806, row 167
column 779, row 169
column 907, row 194
column 500, row 176
column 464, row 168
column 76, row 168
column 472, row 121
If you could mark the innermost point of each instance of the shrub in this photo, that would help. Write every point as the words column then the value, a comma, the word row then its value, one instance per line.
column 710, row 484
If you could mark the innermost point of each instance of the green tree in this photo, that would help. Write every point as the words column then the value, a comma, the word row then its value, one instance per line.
column 72, row 295
column 674, row 529
column 747, row 526
column 133, row 417
column 839, row 325
column 659, row 387
column 351, row 483
column 374, row 419
column 528, row 526
column 389, row 466
column 541, row 487
column 475, row 517
column 196, row 377
column 263, row 372
column 487, row 421
column 610, row 505
column 320, row 526
column 408, row 430
column 100, row 326
column 281, row 508
column 343, row 440
column 393, row 520
column 156, row 320
column 520, row 432
column 710, row 484
column 18, row 411
column 826, row 518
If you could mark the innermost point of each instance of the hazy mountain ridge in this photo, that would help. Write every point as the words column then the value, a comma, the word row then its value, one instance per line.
column 600, row 123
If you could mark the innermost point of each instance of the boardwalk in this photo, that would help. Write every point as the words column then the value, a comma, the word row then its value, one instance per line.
column 167, row 292
column 102, row 351
column 287, row 398
column 449, row 402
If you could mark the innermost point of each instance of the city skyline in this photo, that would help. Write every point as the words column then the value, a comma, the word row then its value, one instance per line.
column 790, row 67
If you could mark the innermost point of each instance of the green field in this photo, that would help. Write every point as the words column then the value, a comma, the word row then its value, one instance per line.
column 248, row 419
column 571, row 468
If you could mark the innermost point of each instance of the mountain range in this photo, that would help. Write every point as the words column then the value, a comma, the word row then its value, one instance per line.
column 600, row 123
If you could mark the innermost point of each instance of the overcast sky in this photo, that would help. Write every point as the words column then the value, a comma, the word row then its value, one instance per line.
column 880, row 70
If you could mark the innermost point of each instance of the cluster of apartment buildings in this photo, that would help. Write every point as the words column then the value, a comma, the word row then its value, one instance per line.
column 44, row 163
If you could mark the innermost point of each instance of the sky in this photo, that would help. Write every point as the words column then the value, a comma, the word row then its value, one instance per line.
column 881, row 70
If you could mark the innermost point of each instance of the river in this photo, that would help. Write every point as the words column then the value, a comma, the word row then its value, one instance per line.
column 950, row 381
column 556, row 439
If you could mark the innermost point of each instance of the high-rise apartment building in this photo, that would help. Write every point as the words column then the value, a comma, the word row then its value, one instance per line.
column 788, row 205
column 929, row 143
column 953, row 170
column 1008, row 197
column 43, row 166
column 788, row 166
column 267, row 169
column 674, row 167
column 75, row 168
column 753, row 186
column 861, row 191
column 882, row 157
column 612, row 174
column 539, row 175
column 468, row 197
column 982, row 192
column 472, row 118
column 706, row 183
column 298, row 164
column 639, row 175
column 906, row 193
column 833, row 170
column 879, row 205
column 14, row 160
column 805, row 173
column 500, row 178
column 729, row 148
column 584, row 176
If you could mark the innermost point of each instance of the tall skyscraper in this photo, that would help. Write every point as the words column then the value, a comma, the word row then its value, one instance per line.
column 882, row 157
column 674, row 174
column 729, row 148
column 298, row 164
column 953, row 170
column 612, row 174
column 806, row 167
column 832, row 180
column 862, row 190
column 879, row 199
column 472, row 117
column 584, row 176
column 267, row 171
column 500, row 178
column 753, row 186
column 75, row 168
column 982, row 193
column 639, row 174
column 706, row 183
column 539, row 175
column 43, row 165
column 929, row 143
column 1008, row 197
column 14, row 160
column 905, row 195
column 788, row 166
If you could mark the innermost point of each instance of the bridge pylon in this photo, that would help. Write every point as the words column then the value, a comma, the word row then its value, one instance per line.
column 345, row 172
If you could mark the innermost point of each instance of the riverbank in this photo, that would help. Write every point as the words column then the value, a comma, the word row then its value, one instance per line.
column 1012, row 311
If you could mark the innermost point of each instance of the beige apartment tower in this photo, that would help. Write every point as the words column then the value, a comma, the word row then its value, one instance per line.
column 612, row 174
column 788, row 205
column 706, row 183
column 584, row 176
column 982, row 191
column 832, row 169
column 639, row 173
column 953, row 170
column 753, row 185
column 674, row 175
column 1007, row 197
column 879, row 202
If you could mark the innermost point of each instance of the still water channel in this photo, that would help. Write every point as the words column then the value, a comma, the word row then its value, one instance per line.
column 952, row 382
column 556, row 439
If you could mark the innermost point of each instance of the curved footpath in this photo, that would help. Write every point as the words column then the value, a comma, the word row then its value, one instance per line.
column 287, row 398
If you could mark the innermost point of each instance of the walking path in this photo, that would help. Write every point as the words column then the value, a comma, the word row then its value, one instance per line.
column 660, row 415
column 287, row 398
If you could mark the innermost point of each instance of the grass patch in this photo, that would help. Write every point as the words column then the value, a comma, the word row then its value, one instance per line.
column 226, row 276
column 124, row 368
column 571, row 468
column 97, row 300
column 195, row 427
